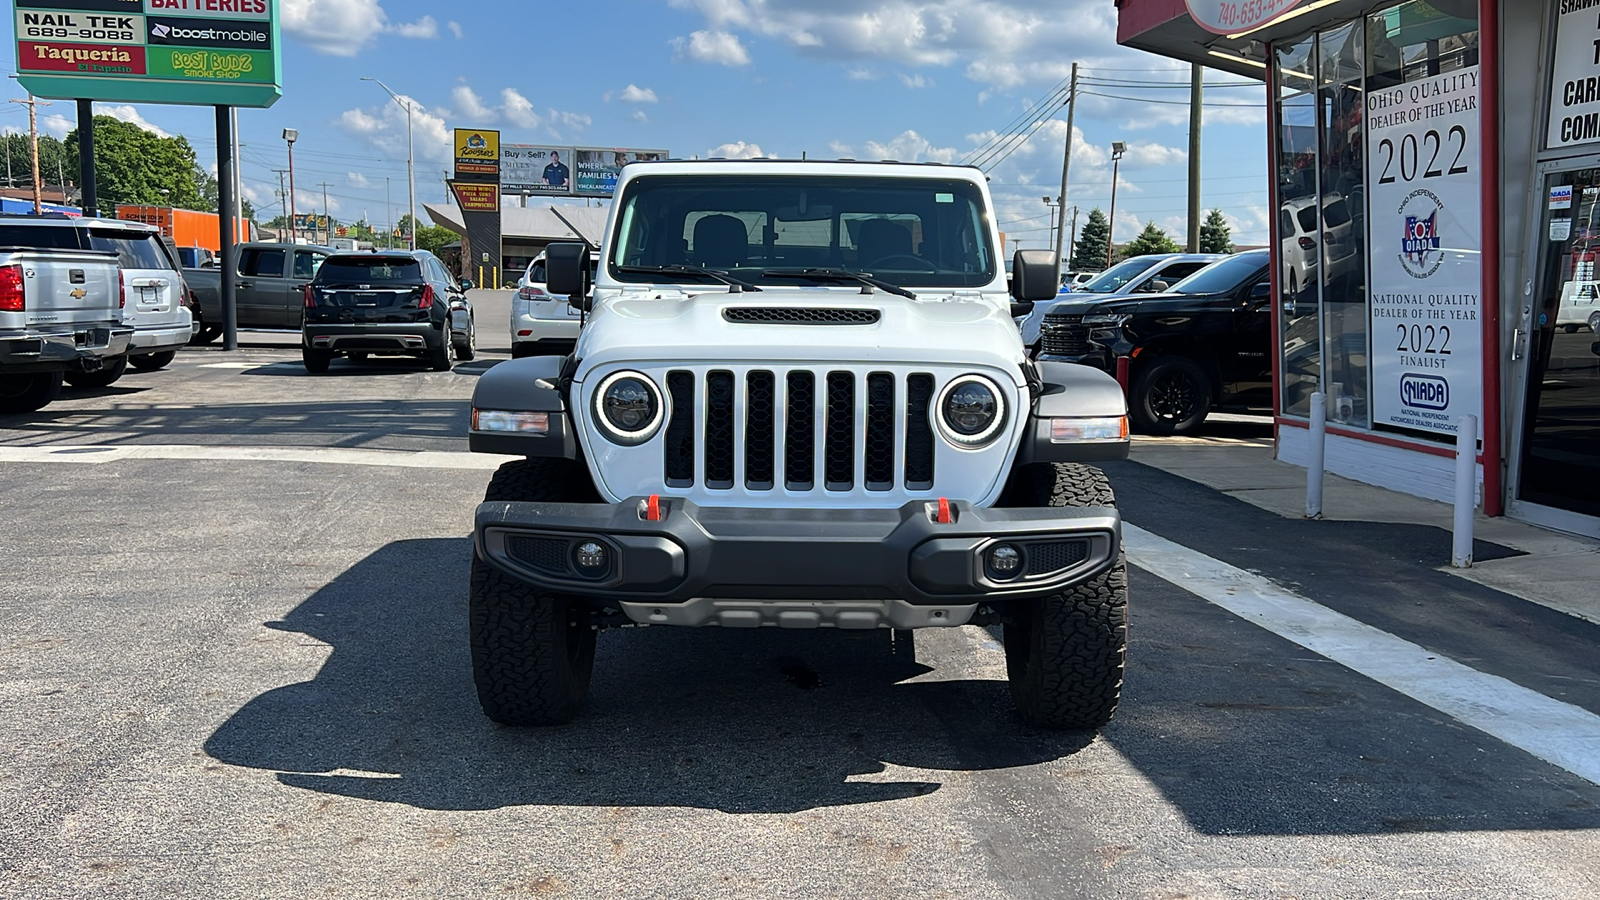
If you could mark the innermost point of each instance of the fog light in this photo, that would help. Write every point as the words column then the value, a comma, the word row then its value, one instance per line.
column 591, row 557
column 1004, row 561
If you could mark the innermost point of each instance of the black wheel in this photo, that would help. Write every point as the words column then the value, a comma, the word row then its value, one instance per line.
column 1171, row 395
column 1570, row 329
column 532, row 651
column 467, row 349
column 28, row 393
column 1065, row 652
column 442, row 357
column 316, row 360
column 149, row 362
column 105, row 376
column 550, row 480
column 1594, row 322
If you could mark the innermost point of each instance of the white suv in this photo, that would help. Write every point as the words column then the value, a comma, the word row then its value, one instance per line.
column 541, row 322
column 800, row 401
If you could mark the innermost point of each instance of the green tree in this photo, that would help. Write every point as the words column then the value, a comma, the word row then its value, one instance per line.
column 54, row 166
column 209, row 190
column 1089, row 253
column 1215, row 236
column 431, row 238
column 1153, row 239
column 135, row 166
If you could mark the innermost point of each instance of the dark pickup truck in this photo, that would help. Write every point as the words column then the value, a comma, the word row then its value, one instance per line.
column 1206, row 344
column 271, row 287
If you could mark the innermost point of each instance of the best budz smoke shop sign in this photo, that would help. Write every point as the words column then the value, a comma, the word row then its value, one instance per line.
column 196, row 52
column 1424, row 238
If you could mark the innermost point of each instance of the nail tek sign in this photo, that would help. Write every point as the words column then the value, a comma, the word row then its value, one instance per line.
column 1234, row 16
column 197, row 52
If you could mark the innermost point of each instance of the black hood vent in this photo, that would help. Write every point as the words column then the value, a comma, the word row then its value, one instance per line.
column 799, row 315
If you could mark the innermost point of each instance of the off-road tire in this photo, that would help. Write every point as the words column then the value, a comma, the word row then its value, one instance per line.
column 442, row 357
column 547, row 480
column 1066, row 651
column 1171, row 395
column 316, row 361
column 105, row 376
column 532, row 652
column 150, row 362
column 28, row 393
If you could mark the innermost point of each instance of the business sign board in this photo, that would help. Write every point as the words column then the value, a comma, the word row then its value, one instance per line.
column 599, row 167
column 310, row 222
column 1574, row 89
column 477, row 154
column 474, row 197
column 1425, row 241
column 195, row 52
column 530, row 169
column 1234, row 16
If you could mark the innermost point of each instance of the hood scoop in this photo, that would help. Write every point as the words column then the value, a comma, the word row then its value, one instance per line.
column 800, row 315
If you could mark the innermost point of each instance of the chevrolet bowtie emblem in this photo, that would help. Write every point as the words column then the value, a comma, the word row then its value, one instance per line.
column 79, row 293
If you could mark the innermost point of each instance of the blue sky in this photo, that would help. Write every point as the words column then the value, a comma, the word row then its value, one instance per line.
column 861, row 78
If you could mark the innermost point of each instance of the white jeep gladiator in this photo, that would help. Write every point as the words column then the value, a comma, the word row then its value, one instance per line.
column 800, row 400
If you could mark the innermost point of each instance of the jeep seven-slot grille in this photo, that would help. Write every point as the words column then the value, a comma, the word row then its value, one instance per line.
column 1063, row 335
column 851, row 426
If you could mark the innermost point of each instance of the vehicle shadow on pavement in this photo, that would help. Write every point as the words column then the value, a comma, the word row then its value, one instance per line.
column 763, row 721
column 349, row 423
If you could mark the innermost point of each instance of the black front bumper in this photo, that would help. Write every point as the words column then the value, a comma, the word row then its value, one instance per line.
column 795, row 554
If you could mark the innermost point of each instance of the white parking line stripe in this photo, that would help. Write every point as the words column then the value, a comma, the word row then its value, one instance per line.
column 82, row 453
column 1559, row 733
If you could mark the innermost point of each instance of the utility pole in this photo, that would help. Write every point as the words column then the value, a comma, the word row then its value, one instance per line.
column 1074, row 237
column 33, row 141
column 327, row 229
column 411, row 157
column 290, row 135
column 388, row 215
column 1196, row 90
column 238, row 178
column 1066, row 162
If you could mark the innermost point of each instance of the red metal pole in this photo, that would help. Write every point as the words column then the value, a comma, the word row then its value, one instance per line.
column 1275, row 246
column 1489, row 125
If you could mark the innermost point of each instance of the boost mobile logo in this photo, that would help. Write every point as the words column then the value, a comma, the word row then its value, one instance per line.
column 1424, row 392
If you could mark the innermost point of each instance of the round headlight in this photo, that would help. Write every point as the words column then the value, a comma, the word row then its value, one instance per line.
column 628, row 408
column 971, row 410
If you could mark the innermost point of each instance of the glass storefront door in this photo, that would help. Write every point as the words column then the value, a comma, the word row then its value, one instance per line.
column 1560, row 453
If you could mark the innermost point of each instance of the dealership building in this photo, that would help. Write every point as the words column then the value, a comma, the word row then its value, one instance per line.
column 1435, row 172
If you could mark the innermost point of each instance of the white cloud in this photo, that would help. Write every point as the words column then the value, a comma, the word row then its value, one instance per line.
column 357, row 180
column 860, row 74
column 739, row 150
column 385, row 128
column 470, row 106
column 916, row 81
column 131, row 115
column 567, row 124
column 640, row 117
column 425, row 28
column 308, row 201
column 54, row 125
column 519, row 110
column 717, row 47
column 910, row 147
column 334, row 27
column 455, row 29
column 635, row 94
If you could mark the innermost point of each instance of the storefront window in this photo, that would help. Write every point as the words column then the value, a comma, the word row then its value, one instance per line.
column 1341, row 109
column 1299, row 234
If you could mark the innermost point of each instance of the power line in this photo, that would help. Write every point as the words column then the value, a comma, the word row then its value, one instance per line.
column 1175, row 102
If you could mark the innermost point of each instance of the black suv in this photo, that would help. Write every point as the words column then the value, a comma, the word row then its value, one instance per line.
column 1205, row 344
column 394, row 303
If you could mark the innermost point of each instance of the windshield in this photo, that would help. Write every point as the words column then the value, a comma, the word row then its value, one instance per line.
column 1117, row 276
column 919, row 232
column 370, row 270
column 1223, row 276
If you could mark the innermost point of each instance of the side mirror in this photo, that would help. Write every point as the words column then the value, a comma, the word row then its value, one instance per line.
column 1261, row 291
column 1021, row 309
column 1035, row 275
column 567, row 269
column 467, row 284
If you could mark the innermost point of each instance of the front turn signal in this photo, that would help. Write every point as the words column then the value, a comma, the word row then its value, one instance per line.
column 1088, row 430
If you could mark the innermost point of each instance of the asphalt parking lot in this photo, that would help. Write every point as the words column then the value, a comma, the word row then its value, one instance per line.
column 233, row 663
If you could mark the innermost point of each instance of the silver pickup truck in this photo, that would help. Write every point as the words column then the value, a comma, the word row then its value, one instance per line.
column 59, row 313
column 271, row 287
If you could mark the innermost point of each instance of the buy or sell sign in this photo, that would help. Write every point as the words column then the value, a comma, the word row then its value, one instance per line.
column 196, row 52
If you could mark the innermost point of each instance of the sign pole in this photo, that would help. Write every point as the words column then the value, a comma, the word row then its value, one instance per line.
column 86, row 173
column 230, row 264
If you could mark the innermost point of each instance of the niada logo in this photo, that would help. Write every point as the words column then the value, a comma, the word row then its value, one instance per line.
column 1420, row 249
column 1424, row 392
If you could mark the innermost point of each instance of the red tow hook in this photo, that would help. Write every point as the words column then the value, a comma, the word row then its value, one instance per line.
column 652, row 508
column 943, row 517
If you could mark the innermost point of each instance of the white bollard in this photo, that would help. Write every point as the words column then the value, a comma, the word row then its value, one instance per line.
column 1319, row 448
column 1466, row 490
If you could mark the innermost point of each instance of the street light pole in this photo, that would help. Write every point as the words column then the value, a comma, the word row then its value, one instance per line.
column 290, row 135
column 1117, row 149
column 411, row 173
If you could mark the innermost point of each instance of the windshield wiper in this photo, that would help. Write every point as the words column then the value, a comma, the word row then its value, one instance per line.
column 713, row 274
column 840, row 275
